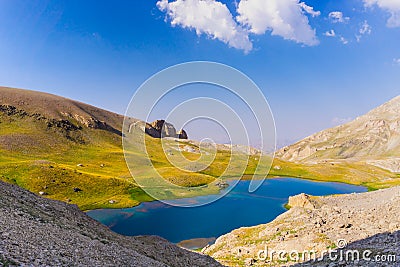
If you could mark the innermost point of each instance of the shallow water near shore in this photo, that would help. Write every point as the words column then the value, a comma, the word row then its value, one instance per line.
column 237, row 209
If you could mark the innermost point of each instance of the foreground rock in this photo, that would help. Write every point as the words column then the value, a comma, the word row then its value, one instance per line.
column 39, row 232
column 366, row 222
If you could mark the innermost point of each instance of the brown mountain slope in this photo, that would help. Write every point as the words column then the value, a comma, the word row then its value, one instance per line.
column 373, row 137
column 60, row 108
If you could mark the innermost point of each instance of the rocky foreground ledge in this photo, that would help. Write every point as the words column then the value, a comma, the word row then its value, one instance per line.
column 366, row 222
column 35, row 231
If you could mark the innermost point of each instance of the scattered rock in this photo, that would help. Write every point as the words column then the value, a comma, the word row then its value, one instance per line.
column 190, row 149
column 249, row 262
column 77, row 189
column 222, row 184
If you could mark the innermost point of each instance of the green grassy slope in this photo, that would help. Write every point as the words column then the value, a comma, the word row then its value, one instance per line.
column 72, row 152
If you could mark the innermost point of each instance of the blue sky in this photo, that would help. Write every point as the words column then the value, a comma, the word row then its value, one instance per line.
column 99, row 52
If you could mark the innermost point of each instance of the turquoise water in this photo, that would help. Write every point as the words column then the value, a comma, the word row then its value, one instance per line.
column 238, row 208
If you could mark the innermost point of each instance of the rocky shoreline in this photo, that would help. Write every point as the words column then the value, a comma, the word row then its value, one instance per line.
column 363, row 222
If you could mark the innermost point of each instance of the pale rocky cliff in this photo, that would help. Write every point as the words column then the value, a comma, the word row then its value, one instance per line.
column 373, row 137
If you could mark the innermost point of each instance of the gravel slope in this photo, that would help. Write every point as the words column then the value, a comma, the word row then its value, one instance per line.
column 35, row 231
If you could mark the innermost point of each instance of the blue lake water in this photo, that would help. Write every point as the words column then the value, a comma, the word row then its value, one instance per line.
column 238, row 208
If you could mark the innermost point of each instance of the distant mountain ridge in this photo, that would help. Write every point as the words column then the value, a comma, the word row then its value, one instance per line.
column 373, row 137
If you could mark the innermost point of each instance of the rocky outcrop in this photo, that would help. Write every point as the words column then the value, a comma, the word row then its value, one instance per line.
column 158, row 129
column 302, row 201
column 164, row 128
column 68, row 129
column 91, row 122
column 373, row 136
column 365, row 221
column 35, row 231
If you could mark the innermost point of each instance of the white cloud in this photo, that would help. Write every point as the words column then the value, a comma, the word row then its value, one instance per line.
column 208, row 17
column 365, row 29
column 309, row 9
column 391, row 6
column 344, row 40
column 337, row 17
column 330, row 33
column 285, row 18
column 396, row 61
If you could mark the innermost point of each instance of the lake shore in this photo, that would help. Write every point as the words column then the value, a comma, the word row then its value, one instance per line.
column 238, row 208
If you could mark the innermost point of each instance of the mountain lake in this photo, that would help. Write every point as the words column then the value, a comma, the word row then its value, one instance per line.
column 197, row 226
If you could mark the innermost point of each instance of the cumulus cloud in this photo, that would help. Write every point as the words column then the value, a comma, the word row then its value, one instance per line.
column 337, row 17
column 396, row 61
column 391, row 6
column 309, row 9
column 330, row 33
column 208, row 17
column 285, row 18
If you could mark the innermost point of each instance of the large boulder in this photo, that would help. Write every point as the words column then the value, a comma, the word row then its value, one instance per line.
column 182, row 134
column 302, row 201
column 151, row 131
